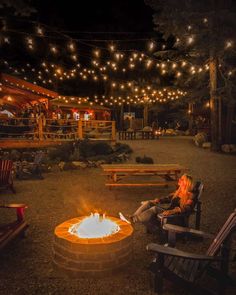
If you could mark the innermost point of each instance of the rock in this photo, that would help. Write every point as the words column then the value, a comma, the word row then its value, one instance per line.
column 91, row 164
column 69, row 166
column 170, row 132
column 200, row 138
column 61, row 165
column 206, row 145
column 226, row 148
column 79, row 164
column 233, row 148
column 147, row 128
column 100, row 162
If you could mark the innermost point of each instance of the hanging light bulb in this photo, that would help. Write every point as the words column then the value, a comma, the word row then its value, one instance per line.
column 53, row 49
column 96, row 53
column 151, row 46
column 71, row 46
column 228, row 44
column 39, row 30
column 190, row 40
column 112, row 47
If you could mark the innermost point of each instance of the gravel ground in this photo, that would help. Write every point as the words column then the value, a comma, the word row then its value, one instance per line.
column 26, row 265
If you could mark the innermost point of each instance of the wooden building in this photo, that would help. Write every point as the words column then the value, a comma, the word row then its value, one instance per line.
column 79, row 108
column 16, row 93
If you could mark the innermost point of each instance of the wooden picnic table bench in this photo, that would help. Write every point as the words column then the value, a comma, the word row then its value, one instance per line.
column 166, row 173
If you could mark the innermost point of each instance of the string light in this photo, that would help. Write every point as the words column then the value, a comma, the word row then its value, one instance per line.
column 71, row 46
column 39, row 30
column 112, row 47
column 229, row 44
column 151, row 46
column 190, row 40
column 53, row 49
column 97, row 53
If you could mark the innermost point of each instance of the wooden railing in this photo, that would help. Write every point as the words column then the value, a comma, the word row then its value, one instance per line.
column 58, row 130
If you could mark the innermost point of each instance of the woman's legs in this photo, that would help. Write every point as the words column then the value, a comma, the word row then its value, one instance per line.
column 146, row 214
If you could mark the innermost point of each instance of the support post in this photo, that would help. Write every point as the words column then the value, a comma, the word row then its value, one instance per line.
column 113, row 131
column 40, row 126
column 80, row 130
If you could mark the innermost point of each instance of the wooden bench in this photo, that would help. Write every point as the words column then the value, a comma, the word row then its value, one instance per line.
column 166, row 173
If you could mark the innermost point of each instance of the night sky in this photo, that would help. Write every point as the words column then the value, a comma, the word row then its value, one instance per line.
column 103, row 15
column 128, row 21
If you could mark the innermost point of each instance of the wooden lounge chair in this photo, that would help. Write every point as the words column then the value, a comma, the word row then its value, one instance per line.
column 183, row 218
column 6, row 177
column 188, row 269
column 10, row 231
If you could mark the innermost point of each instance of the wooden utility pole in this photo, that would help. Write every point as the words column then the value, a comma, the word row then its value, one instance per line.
column 122, row 116
column 214, row 104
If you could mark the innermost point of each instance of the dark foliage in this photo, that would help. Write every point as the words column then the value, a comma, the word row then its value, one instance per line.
column 62, row 152
column 122, row 148
column 144, row 160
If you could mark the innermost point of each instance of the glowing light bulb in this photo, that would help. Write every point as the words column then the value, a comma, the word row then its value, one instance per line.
column 190, row 40
column 229, row 44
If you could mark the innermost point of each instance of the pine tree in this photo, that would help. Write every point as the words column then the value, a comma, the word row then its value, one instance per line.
column 203, row 32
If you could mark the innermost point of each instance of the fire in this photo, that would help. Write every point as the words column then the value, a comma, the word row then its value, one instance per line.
column 94, row 226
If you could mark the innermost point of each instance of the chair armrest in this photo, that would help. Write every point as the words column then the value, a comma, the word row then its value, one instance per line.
column 13, row 206
column 180, row 229
column 19, row 209
column 177, row 253
column 172, row 215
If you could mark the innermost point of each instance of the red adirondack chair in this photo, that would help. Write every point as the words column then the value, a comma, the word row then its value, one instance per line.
column 11, row 230
column 6, row 179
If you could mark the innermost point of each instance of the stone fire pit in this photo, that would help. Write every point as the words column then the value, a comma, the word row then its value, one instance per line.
column 98, row 256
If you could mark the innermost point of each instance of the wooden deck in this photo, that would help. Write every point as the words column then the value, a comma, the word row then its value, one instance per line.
column 22, row 143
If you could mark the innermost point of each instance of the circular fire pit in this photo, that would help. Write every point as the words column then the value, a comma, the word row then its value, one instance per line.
column 79, row 256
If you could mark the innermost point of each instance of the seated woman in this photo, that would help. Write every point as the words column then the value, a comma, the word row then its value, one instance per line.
column 180, row 201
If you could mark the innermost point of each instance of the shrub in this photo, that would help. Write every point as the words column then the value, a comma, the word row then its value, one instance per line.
column 62, row 152
column 102, row 148
column 85, row 149
column 122, row 148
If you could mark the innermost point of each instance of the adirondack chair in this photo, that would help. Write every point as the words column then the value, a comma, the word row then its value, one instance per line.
column 188, row 269
column 10, row 231
column 183, row 218
column 6, row 177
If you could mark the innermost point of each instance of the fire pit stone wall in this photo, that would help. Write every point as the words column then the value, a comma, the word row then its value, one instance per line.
column 95, row 256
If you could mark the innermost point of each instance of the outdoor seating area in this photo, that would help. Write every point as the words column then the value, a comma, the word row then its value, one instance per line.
column 60, row 196
column 118, row 147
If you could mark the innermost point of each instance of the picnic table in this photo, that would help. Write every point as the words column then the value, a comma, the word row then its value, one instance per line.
column 165, row 174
